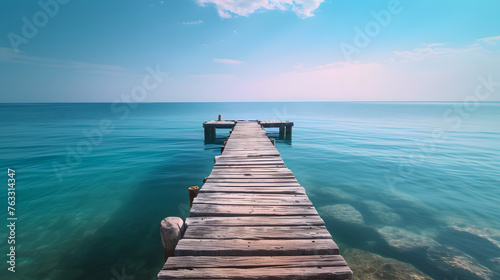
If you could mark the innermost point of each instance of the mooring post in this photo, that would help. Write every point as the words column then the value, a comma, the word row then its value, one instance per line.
column 273, row 141
column 193, row 192
column 220, row 118
column 171, row 229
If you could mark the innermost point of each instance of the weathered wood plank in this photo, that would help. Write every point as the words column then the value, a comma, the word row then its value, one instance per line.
column 251, row 175
column 257, row 184
column 257, row 233
column 200, row 209
column 250, row 154
column 263, row 190
column 250, row 164
column 255, row 202
column 252, row 196
column 253, row 199
column 252, row 149
column 263, row 273
column 229, row 158
column 314, row 220
column 277, row 171
column 252, row 180
column 253, row 261
column 241, row 161
column 242, row 247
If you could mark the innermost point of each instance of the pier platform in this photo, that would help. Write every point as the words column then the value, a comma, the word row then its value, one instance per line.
column 253, row 220
column 285, row 127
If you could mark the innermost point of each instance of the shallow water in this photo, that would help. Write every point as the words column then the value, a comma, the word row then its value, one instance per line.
column 380, row 175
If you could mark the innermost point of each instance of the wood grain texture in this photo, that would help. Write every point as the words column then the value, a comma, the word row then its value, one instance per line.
column 208, row 210
column 253, row 199
column 331, row 272
column 257, row 233
column 254, row 261
column 263, row 190
column 242, row 247
column 275, row 184
column 314, row 220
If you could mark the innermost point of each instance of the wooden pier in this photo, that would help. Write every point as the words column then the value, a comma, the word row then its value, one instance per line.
column 253, row 220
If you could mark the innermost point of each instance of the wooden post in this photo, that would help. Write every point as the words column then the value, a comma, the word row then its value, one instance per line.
column 288, row 132
column 222, row 149
column 193, row 192
column 273, row 141
column 282, row 132
column 220, row 118
column 213, row 133
column 171, row 230
column 207, row 134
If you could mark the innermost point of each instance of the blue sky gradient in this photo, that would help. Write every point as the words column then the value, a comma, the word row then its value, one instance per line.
column 282, row 50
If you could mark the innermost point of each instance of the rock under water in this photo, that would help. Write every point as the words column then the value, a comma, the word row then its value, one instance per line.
column 404, row 241
column 383, row 212
column 456, row 264
column 369, row 266
column 342, row 212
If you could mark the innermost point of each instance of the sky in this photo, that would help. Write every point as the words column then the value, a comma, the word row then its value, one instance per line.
column 243, row 50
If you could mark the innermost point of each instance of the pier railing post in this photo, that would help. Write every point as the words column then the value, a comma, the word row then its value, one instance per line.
column 171, row 229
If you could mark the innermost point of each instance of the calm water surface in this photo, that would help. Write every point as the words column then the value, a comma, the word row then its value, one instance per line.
column 416, row 182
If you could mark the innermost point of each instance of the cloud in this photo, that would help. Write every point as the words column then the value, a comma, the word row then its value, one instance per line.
column 8, row 55
column 422, row 53
column 229, row 8
column 435, row 50
column 193, row 22
column 489, row 40
column 226, row 61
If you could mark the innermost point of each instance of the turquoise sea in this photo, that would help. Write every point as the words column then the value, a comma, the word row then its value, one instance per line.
column 415, row 183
